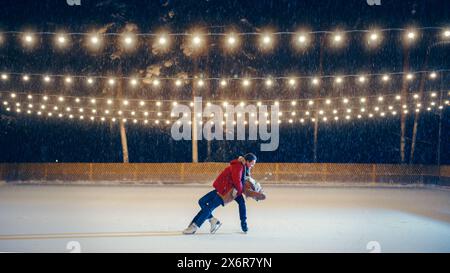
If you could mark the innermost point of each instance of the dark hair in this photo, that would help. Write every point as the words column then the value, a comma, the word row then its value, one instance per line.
column 250, row 157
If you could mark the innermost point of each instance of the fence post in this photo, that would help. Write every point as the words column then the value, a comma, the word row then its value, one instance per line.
column 374, row 173
column 182, row 172
column 277, row 168
column 90, row 172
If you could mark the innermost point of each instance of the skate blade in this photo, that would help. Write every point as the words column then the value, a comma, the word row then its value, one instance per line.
column 216, row 228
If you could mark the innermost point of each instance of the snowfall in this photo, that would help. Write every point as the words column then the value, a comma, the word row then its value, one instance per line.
column 293, row 218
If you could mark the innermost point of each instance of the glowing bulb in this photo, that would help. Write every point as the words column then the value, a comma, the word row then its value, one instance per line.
column 380, row 98
column 46, row 79
column 26, row 78
column 162, row 41
column 128, row 40
column 328, row 101
column 95, row 40
column 246, row 83
column 61, row 99
column 292, row 82
column 385, row 78
column 446, row 33
column 111, row 82
column 398, row 97
column 266, row 40
column 90, row 81
column 337, row 38
column 223, row 83
column 4, row 77
column 363, row 100
column 61, row 39
column 156, row 82
column 302, row 39
column 315, row 81
column 269, row 82
column 411, row 35
column 231, row 40
column 338, row 80
column 133, row 82
column 141, row 103
column 200, row 83
column 68, row 80
column 196, row 40
column 409, row 76
column 373, row 36
column 178, row 83
column 28, row 39
column 433, row 75
column 362, row 79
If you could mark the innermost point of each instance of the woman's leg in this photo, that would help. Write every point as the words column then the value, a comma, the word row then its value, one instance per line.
column 203, row 202
column 206, row 211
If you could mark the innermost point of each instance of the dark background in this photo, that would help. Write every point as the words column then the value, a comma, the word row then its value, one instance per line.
column 35, row 139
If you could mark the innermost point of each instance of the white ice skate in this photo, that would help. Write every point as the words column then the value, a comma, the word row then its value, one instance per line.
column 215, row 224
column 191, row 229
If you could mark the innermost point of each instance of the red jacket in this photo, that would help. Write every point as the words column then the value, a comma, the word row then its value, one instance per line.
column 228, row 179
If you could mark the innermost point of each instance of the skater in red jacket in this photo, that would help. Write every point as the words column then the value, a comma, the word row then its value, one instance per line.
column 228, row 186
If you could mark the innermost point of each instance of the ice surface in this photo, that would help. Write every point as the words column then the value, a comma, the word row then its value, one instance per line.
column 292, row 219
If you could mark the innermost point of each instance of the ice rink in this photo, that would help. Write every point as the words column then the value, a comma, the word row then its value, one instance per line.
column 62, row 218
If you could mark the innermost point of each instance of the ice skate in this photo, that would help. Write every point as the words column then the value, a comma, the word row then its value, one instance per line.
column 191, row 229
column 215, row 224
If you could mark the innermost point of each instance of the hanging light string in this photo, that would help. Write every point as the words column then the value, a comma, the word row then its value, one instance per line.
column 225, row 34
column 162, row 41
column 433, row 74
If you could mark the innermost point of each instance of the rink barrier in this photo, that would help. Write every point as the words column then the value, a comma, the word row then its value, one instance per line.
column 179, row 173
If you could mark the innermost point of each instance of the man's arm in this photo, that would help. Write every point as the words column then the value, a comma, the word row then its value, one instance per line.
column 236, row 174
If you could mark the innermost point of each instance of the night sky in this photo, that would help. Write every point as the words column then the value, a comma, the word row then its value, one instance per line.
column 38, row 139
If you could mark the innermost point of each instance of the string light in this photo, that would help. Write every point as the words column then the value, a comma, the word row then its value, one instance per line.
column 231, row 40
column 338, row 80
column 128, row 40
column 223, row 83
column 94, row 41
column 246, row 82
column 446, row 33
column 163, row 40
column 61, row 40
column 411, row 35
column 28, row 39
